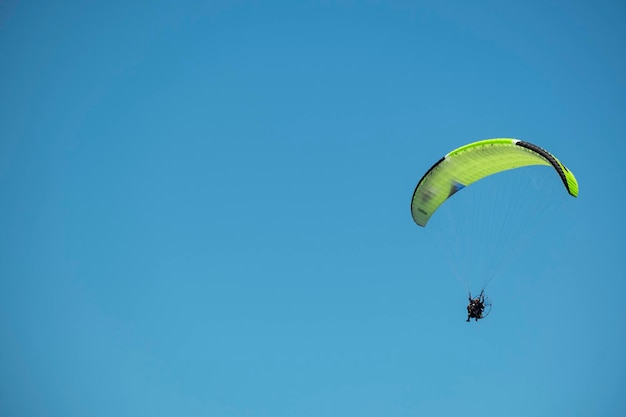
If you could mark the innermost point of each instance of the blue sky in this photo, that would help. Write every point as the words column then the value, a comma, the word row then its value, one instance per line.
column 205, row 208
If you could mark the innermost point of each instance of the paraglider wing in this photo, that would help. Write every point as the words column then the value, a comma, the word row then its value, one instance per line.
column 475, row 161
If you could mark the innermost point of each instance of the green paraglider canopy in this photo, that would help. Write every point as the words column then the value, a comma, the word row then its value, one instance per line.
column 475, row 161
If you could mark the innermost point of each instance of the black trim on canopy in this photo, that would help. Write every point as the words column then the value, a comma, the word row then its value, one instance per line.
column 550, row 158
column 422, row 180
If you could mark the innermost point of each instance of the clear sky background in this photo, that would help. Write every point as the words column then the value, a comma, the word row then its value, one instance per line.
column 204, row 208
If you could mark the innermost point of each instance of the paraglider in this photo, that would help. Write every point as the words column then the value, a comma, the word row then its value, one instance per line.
column 474, row 162
column 478, row 307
